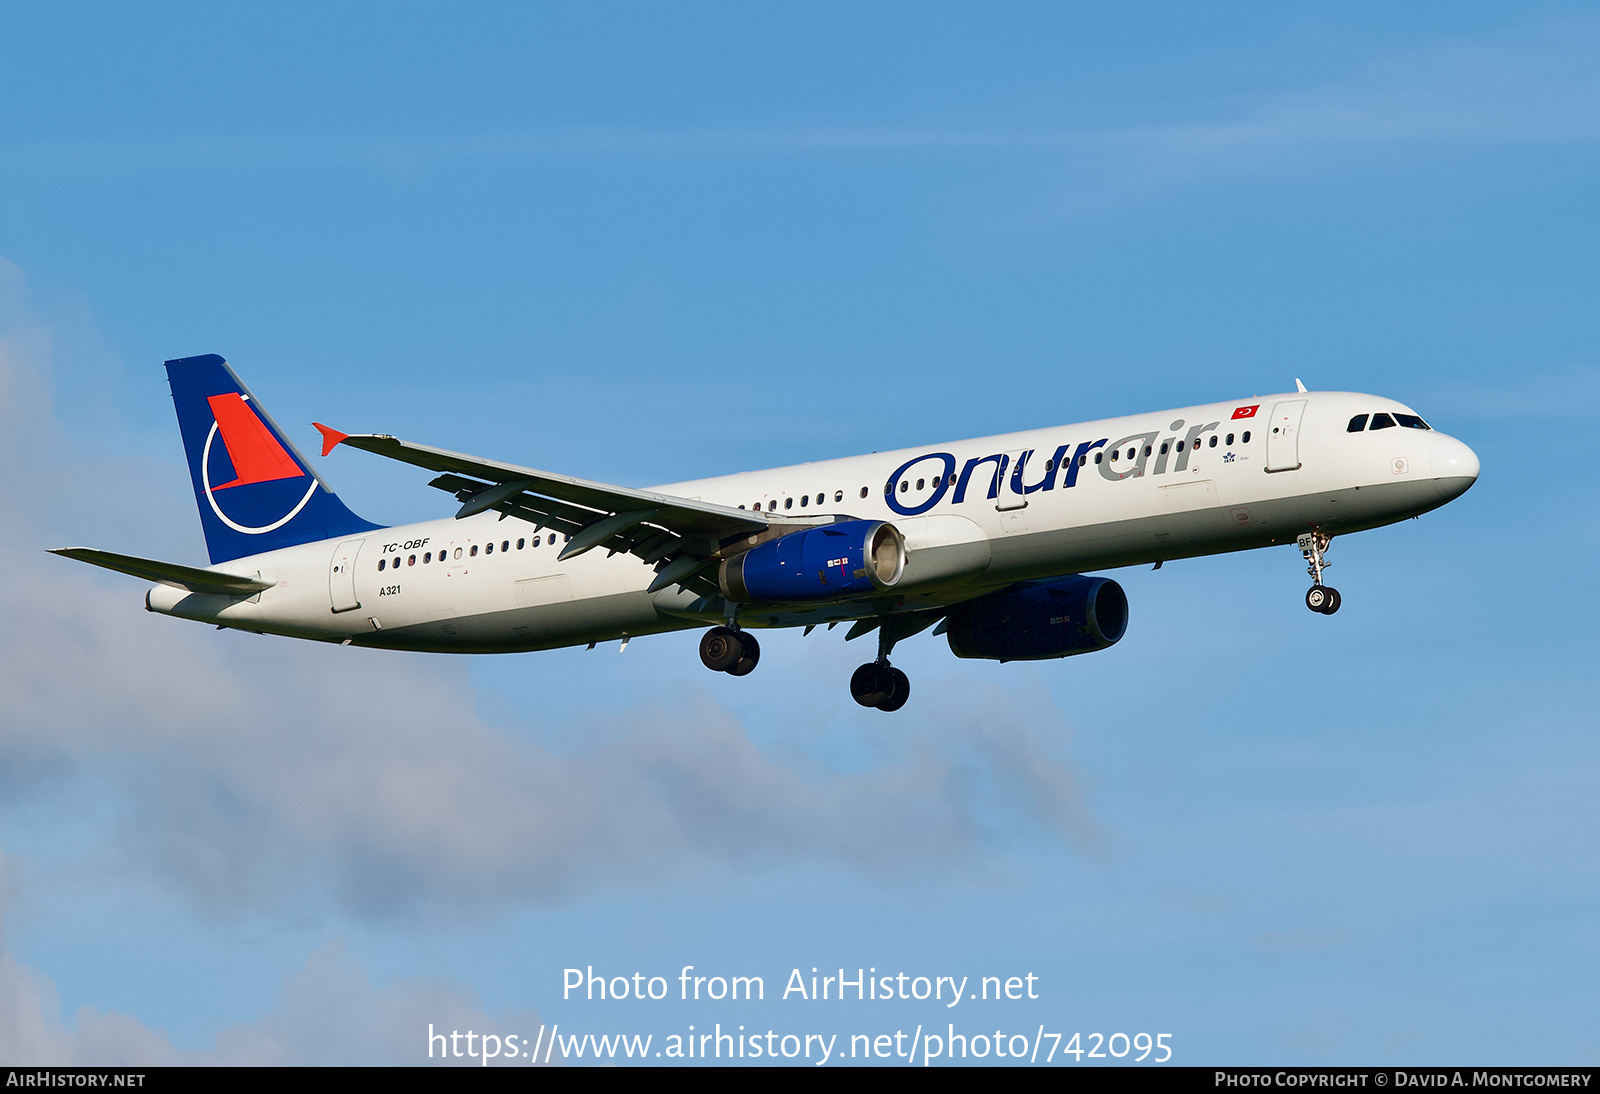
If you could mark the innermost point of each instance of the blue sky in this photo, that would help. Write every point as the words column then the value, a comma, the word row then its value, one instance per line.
column 641, row 245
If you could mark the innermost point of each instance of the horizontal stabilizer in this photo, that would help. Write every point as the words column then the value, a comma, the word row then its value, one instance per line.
column 191, row 578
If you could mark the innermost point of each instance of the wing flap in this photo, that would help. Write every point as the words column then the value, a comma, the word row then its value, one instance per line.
column 681, row 515
column 661, row 529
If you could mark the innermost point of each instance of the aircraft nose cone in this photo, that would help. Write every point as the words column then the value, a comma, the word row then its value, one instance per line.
column 1454, row 467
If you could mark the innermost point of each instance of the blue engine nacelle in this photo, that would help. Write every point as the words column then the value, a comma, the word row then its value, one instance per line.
column 851, row 558
column 1040, row 620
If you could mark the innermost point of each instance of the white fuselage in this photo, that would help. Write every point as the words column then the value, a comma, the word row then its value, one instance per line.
column 487, row 584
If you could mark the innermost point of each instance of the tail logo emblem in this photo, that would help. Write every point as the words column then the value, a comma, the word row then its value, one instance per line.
column 255, row 454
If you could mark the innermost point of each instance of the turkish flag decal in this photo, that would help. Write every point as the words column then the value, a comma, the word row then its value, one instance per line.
column 1246, row 412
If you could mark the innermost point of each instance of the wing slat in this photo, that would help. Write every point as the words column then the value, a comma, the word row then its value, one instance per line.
column 591, row 514
column 682, row 515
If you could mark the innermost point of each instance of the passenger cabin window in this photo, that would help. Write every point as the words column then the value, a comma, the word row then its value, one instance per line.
column 1213, row 440
column 1230, row 440
column 380, row 565
column 863, row 491
column 805, row 500
column 1411, row 421
column 788, row 503
column 1357, row 424
column 1382, row 421
column 427, row 558
column 474, row 551
column 520, row 542
column 821, row 498
column 411, row 561
column 838, row 495
column 1246, row 437
column 489, row 550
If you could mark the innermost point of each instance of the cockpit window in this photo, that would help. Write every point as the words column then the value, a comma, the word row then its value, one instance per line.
column 1382, row 421
column 1357, row 424
column 1411, row 421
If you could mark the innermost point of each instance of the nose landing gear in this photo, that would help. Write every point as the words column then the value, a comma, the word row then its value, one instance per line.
column 1319, row 598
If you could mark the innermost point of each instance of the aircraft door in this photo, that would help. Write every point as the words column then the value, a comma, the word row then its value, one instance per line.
column 1283, row 436
column 342, row 576
column 1012, row 493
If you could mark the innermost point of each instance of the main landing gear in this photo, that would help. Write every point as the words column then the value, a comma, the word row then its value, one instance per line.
column 878, row 683
column 1319, row 598
column 735, row 652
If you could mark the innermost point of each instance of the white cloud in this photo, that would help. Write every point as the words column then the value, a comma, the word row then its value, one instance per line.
column 32, row 1034
column 246, row 767
column 249, row 767
column 330, row 1012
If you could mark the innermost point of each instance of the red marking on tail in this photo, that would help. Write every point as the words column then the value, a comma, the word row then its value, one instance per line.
column 256, row 454
column 330, row 437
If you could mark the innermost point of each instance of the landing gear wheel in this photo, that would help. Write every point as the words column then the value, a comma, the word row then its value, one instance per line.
column 898, row 693
column 879, row 685
column 721, row 648
column 871, row 684
column 1323, row 598
column 750, row 654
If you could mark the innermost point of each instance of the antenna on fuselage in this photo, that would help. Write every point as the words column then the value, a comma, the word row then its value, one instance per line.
column 1298, row 386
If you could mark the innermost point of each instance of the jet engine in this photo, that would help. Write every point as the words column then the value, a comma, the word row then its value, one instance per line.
column 1039, row 620
column 832, row 562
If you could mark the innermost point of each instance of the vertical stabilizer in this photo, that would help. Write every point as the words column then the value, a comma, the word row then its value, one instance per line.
column 256, row 492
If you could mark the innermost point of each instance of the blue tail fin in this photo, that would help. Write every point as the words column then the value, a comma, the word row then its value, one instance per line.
column 255, row 490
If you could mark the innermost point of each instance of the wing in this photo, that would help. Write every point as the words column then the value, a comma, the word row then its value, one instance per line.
column 681, row 537
column 167, row 573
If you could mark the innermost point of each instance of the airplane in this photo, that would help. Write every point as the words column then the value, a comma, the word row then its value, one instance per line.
column 991, row 541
